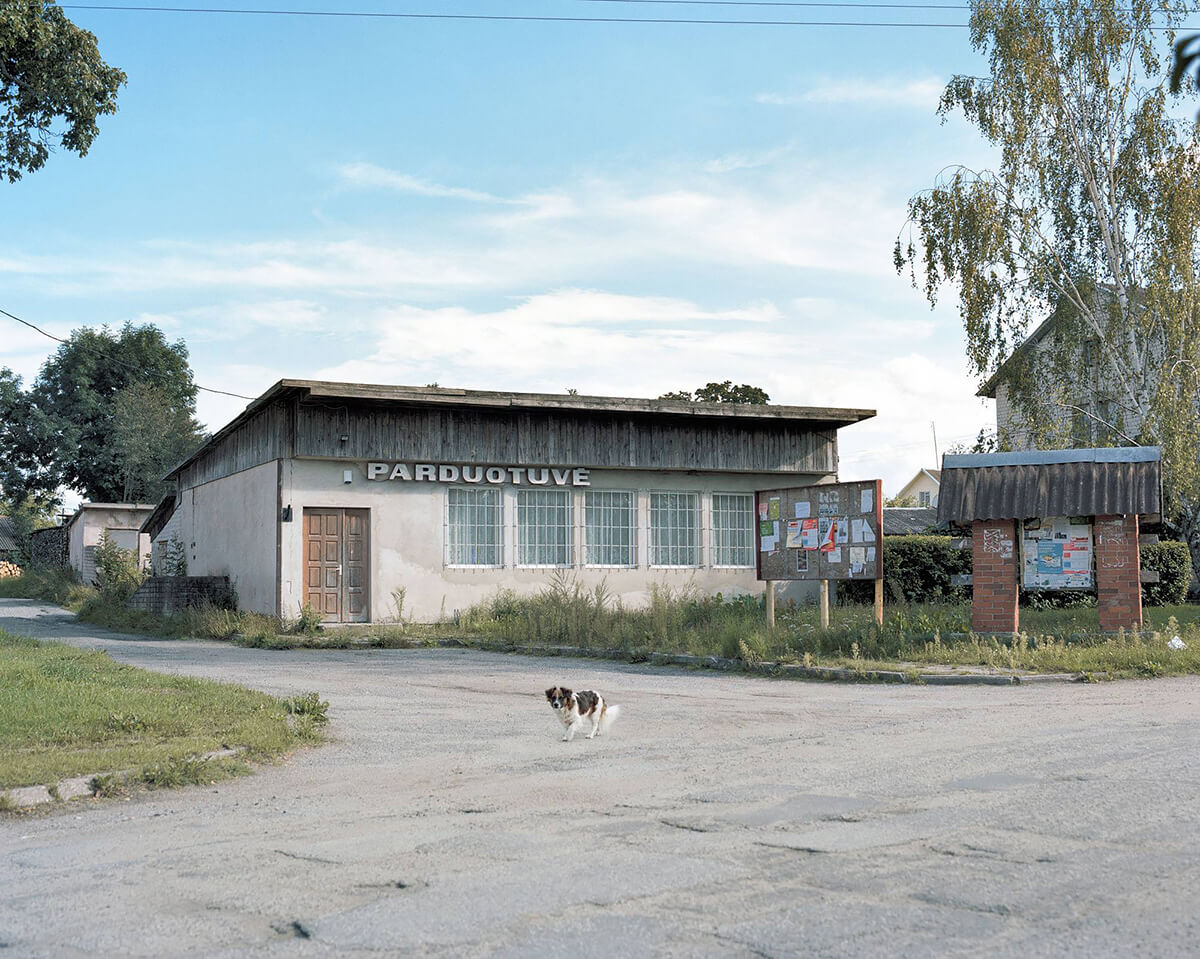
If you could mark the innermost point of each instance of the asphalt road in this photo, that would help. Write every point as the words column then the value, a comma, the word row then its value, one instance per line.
column 723, row 816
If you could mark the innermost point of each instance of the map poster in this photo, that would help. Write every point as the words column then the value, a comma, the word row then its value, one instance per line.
column 1057, row 553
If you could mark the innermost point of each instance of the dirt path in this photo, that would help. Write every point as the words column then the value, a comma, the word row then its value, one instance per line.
column 724, row 816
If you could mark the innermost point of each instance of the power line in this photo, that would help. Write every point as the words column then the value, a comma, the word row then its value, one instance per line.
column 128, row 366
column 380, row 15
column 795, row 3
column 513, row 18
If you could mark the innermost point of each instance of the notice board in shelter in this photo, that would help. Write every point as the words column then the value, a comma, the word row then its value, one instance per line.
column 827, row 531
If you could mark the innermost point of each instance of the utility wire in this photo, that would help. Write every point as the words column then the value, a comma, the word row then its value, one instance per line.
column 382, row 15
column 128, row 366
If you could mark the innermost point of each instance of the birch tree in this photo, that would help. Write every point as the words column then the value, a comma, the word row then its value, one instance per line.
column 1091, row 215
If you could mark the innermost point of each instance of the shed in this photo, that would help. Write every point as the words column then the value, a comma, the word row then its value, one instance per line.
column 368, row 502
column 121, row 521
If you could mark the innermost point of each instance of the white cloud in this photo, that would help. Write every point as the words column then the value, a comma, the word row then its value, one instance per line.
column 918, row 94
column 372, row 176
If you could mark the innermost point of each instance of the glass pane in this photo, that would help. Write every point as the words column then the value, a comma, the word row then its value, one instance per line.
column 473, row 527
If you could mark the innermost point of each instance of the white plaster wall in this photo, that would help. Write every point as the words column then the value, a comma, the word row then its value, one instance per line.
column 406, row 540
column 89, row 526
column 158, row 549
column 228, row 527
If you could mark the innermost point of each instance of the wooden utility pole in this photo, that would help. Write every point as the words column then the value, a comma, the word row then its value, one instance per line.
column 770, row 604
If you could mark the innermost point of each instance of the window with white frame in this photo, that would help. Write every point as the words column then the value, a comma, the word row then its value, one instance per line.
column 674, row 529
column 474, row 527
column 610, row 528
column 923, row 497
column 733, row 529
column 545, row 534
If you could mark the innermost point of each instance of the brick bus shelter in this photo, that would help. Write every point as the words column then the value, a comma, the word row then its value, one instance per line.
column 1051, row 520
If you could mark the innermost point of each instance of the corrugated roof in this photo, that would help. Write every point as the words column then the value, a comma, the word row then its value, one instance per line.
column 1108, row 482
column 8, row 535
column 908, row 520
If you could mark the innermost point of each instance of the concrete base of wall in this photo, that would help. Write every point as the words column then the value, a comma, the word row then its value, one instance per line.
column 164, row 595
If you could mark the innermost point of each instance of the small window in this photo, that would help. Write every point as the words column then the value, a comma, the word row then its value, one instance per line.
column 924, row 498
column 610, row 528
column 474, row 531
column 674, row 529
column 544, row 528
column 733, row 529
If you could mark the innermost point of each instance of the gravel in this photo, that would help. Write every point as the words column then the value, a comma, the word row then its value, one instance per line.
column 724, row 815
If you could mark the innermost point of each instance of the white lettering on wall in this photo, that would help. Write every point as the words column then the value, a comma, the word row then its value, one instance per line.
column 449, row 473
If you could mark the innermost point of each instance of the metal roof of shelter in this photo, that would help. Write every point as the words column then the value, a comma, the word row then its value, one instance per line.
column 1077, row 482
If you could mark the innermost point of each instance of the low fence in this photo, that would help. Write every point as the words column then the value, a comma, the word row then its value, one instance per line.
column 164, row 595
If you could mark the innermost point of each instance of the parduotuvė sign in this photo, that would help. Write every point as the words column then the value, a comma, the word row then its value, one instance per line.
column 494, row 474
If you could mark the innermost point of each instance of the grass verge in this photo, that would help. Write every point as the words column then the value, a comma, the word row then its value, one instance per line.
column 66, row 712
column 1053, row 639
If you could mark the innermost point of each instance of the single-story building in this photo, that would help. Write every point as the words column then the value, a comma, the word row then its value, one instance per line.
column 122, row 523
column 346, row 497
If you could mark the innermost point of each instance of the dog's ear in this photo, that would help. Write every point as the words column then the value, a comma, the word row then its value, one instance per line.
column 566, row 693
column 550, row 693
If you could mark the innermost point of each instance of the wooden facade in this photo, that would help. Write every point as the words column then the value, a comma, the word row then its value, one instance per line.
column 300, row 419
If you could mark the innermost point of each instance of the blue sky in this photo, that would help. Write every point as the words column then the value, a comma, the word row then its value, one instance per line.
column 620, row 209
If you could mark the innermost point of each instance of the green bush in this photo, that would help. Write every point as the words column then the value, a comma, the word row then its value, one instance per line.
column 118, row 574
column 916, row 569
column 1173, row 563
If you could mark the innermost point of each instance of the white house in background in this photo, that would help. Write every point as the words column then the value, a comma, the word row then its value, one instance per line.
column 122, row 522
column 922, row 488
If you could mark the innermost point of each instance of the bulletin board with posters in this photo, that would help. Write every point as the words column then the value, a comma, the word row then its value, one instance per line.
column 1057, row 553
column 827, row 531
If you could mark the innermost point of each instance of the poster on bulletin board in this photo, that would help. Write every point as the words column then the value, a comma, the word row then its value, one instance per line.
column 1057, row 553
column 827, row 531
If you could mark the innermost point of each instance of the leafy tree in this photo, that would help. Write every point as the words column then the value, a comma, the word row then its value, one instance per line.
column 1092, row 215
column 150, row 434
column 721, row 393
column 28, row 441
column 86, row 405
column 50, row 70
column 907, row 502
column 26, row 515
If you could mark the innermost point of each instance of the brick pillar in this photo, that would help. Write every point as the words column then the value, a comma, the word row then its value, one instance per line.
column 1118, row 573
column 994, row 576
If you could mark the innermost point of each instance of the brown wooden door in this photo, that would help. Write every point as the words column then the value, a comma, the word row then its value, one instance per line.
column 337, row 569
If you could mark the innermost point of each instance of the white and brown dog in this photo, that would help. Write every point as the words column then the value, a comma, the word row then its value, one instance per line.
column 572, row 708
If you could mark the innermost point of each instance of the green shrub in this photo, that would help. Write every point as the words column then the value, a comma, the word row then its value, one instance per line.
column 916, row 569
column 1173, row 563
column 118, row 574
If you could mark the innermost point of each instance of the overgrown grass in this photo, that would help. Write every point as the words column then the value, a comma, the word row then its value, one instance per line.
column 1053, row 640
column 66, row 712
column 61, row 587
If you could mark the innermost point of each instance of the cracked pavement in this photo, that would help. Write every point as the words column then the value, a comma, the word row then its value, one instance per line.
column 724, row 815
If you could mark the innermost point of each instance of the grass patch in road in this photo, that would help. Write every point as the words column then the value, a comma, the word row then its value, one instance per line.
column 66, row 712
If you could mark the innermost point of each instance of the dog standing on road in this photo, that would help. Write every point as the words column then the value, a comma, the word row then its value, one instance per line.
column 572, row 708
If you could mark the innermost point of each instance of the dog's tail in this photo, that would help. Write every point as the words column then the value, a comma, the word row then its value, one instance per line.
column 610, row 716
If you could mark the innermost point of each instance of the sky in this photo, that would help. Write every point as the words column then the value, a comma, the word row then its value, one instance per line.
column 615, row 208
